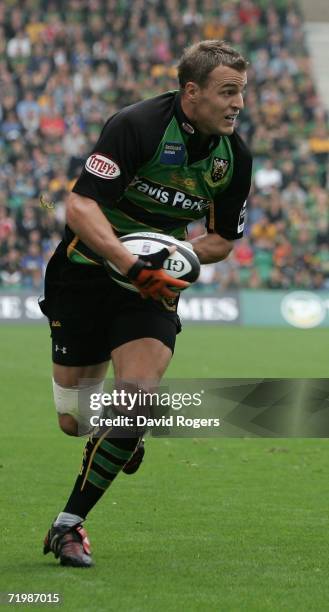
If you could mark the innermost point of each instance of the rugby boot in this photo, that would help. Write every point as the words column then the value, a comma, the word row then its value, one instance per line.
column 69, row 544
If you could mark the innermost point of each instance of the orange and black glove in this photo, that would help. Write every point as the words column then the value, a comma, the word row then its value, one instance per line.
column 151, row 280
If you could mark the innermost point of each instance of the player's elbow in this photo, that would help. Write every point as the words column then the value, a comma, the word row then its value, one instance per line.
column 76, row 208
column 72, row 209
column 227, row 248
column 224, row 248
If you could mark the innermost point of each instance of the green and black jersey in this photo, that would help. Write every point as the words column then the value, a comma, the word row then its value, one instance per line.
column 151, row 170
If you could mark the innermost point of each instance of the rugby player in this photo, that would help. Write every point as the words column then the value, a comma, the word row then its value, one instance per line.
column 158, row 165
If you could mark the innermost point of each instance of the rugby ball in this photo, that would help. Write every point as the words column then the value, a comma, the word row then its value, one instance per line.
column 182, row 264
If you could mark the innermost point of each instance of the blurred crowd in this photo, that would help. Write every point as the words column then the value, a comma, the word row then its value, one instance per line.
column 66, row 66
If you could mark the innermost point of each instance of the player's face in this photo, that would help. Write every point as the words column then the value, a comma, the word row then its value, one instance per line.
column 218, row 103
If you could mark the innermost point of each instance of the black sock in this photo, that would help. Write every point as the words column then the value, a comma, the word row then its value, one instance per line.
column 103, row 459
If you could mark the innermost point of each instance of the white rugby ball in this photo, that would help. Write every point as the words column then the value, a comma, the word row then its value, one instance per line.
column 183, row 264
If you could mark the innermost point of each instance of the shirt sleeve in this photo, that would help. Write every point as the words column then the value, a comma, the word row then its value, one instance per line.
column 227, row 216
column 113, row 162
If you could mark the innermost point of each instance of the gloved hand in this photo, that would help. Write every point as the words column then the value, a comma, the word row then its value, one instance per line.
column 150, row 279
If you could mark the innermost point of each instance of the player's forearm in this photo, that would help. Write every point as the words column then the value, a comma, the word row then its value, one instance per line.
column 86, row 219
column 211, row 248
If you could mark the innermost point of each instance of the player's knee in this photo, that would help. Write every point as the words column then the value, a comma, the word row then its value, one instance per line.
column 73, row 407
column 134, row 403
column 68, row 424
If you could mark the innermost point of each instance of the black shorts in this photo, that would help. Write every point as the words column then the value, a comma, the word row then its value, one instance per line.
column 90, row 315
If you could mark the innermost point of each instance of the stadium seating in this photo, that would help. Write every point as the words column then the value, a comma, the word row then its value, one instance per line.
column 63, row 71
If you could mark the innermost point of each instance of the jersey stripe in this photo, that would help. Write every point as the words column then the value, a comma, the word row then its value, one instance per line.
column 211, row 218
column 162, row 220
column 82, row 254
column 127, row 225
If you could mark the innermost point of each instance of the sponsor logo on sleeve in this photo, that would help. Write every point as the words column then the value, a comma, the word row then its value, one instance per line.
column 242, row 217
column 102, row 166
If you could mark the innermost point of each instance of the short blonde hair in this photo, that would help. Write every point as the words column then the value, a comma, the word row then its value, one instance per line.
column 200, row 59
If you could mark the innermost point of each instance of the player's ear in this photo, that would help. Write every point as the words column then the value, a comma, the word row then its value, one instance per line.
column 191, row 91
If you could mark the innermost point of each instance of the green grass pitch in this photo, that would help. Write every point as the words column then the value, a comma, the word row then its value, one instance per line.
column 205, row 525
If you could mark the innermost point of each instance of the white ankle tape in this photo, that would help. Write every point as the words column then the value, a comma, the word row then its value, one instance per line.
column 75, row 401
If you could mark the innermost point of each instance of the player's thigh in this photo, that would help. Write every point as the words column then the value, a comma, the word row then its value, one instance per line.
column 80, row 346
column 143, row 337
column 79, row 351
column 77, row 307
column 144, row 360
column 72, row 376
